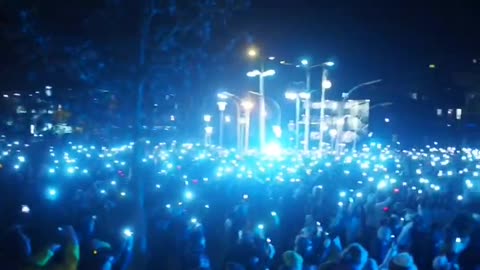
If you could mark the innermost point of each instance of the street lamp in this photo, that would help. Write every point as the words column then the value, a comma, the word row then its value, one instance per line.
column 326, row 84
column 345, row 96
column 247, row 107
column 207, row 118
column 262, row 73
column 222, row 105
column 252, row 52
column 294, row 96
column 208, row 129
column 297, row 97
column 229, row 96
column 262, row 115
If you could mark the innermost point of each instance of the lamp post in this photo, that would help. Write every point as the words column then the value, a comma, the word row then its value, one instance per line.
column 326, row 84
column 342, row 104
column 247, row 106
column 262, row 114
column 226, row 96
column 262, row 73
column 222, row 105
column 208, row 129
column 308, row 68
column 294, row 96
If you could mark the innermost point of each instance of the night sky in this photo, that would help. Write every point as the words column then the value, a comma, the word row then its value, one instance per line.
column 371, row 39
column 391, row 40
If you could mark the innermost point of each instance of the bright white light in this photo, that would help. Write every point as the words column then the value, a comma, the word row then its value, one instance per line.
column 269, row 72
column 254, row 73
column 329, row 64
column 261, row 227
column 272, row 149
column 21, row 158
column 207, row 118
column 25, row 209
column 123, row 194
column 381, row 185
column 209, row 130
column 52, row 193
column 127, row 232
column 277, row 131
column 189, row 195
column 359, row 195
column 273, row 213
column 327, row 84
column 70, row 170
column 193, row 220
column 222, row 105
column 271, row 58
column 245, row 196
column 387, row 120
column 51, row 170
column 228, row 119
column 305, row 95
column 343, row 194
column 460, row 197
column 247, row 105
column 304, row 62
column 291, row 95
column 252, row 52
column 340, row 204
column 333, row 132
column 222, row 96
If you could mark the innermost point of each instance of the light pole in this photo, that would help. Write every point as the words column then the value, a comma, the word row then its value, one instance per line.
column 226, row 96
column 247, row 106
column 341, row 108
column 262, row 114
column 294, row 96
column 222, row 105
column 308, row 68
column 208, row 129
column 326, row 84
column 262, row 73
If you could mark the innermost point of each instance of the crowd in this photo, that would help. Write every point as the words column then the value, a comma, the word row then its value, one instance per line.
column 76, row 206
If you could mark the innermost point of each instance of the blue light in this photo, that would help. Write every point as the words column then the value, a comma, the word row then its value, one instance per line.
column 16, row 166
column 21, row 159
column 127, row 233
column 51, row 170
column 70, row 170
column 51, row 193
column 189, row 195
column 113, row 183
column 103, row 191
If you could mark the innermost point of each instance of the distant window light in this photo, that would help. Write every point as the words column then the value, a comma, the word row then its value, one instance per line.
column 432, row 66
column 458, row 114
column 439, row 112
column 450, row 111
column 414, row 96
column 172, row 117
column 474, row 60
